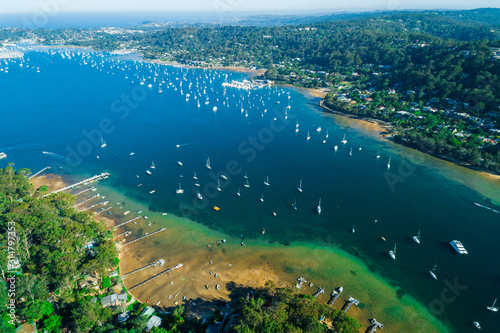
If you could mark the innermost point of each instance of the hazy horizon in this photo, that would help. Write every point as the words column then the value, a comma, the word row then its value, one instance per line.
column 234, row 6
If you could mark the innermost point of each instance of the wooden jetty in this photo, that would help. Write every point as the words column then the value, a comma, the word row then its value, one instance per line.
column 86, row 190
column 375, row 324
column 350, row 302
column 103, row 210
column 95, row 178
column 334, row 296
column 126, row 233
column 319, row 292
column 39, row 172
column 160, row 262
column 145, row 236
column 122, row 224
column 87, row 200
column 301, row 281
column 104, row 203
column 156, row 276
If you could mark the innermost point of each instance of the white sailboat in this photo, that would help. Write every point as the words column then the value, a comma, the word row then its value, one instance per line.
column 493, row 307
column 318, row 209
column 208, row 164
column 297, row 126
column 262, row 198
column 294, row 205
column 318, row 129
column 353, row 229
column 378, row 155
column 148, row 172
column 432, row 272
column 218, row 186
column 344, row 141
column 152, row 165
column 392, row 253
column 179, row 190
column 300, row 186
column 238, row 193
column 245, row 176
column 198, row 196
column 326, row 137
column 417, row 237
column 267, row 181
column 308, row 136
column 179, row 163
column 389, row 163
column 103, row 143
column 195, row 176
column 335, row 147
column 350, row 152
column 247, row 184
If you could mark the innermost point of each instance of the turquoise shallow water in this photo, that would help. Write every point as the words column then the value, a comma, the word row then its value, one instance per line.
column 63, row 102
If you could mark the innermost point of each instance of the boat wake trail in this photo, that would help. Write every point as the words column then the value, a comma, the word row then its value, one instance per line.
column 185, row 144
column 59, row 157
column 493, row 210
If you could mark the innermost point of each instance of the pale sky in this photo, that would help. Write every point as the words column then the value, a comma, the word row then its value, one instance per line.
column 53, row 6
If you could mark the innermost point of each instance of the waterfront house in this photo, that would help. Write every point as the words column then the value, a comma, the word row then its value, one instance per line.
column 123, row 317
column 148, row 311
column 154, row 321
column 113, row 300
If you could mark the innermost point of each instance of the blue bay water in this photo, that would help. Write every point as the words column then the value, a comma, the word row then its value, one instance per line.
column 59, row 100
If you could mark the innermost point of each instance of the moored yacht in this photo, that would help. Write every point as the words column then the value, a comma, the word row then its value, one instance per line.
column 318, row 209
column 432, row 272
column 417, row 237
column 300, row 186
column 179, row 190
column 103, row 143
column 392, row 253
column 267, row 182
column 208, row 164
column 344, row 141
column 457, row 245
column 493, row 307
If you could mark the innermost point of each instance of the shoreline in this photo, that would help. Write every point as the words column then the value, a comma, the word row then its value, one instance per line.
column 384, row 125
column 186, row 242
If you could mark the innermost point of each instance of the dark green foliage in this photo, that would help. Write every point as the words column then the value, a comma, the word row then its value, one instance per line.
column 50, row 236
column 283, row 310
